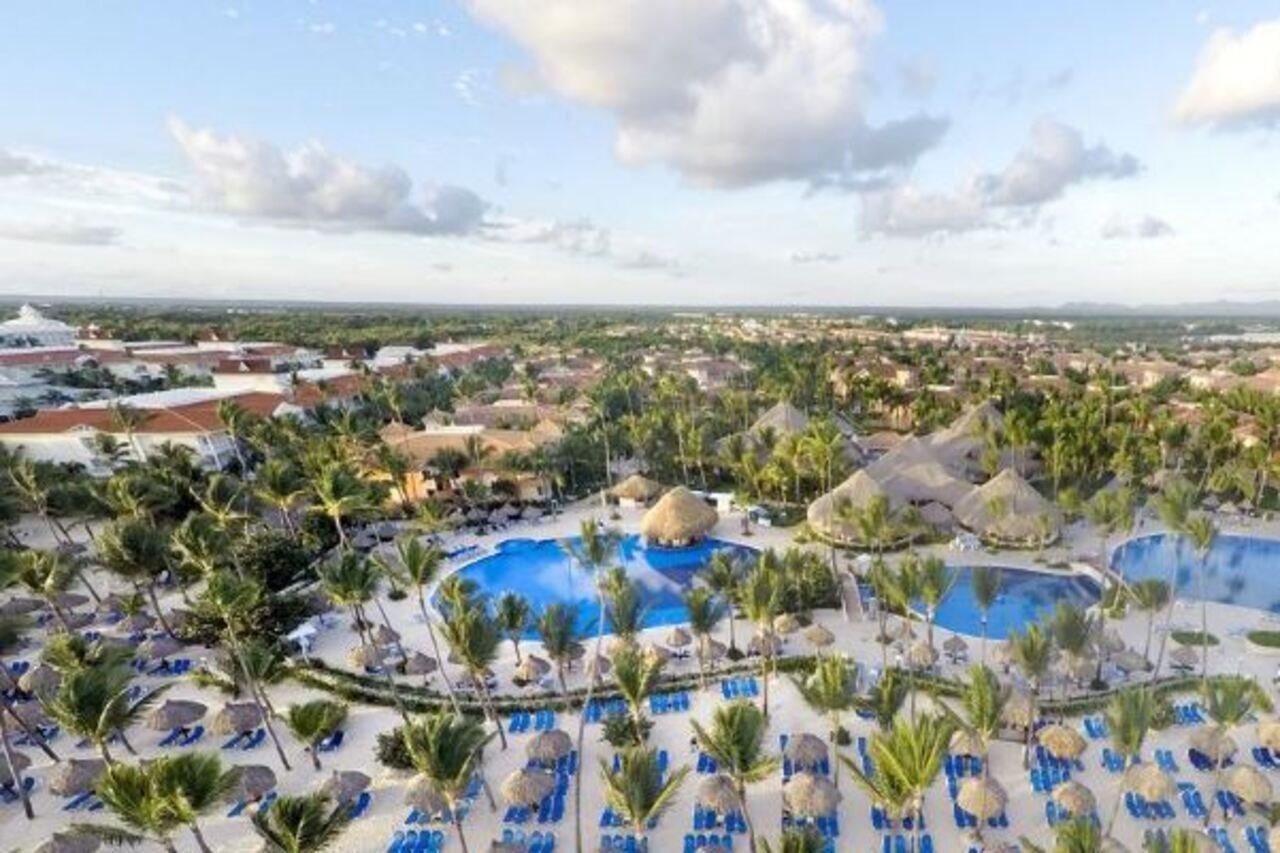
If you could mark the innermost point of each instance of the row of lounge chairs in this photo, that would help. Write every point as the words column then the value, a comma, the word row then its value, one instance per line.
column 542, row 720
column 743, row 687
column 670, row 703
column 535, row 842
column 413, row 841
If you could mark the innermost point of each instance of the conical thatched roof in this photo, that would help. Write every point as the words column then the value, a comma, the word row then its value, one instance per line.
column 782, row 419
column 1214, row 742
column 967, row 742
column 346, row 785
column 859, row 490
column 806, row 750
column 921, row 655
column 1061, row 741
column 424, row 796
column 719, row 793
column 678, row 638
column 76, row 775
column 69, row 842
column 159, row 647
column 40, row 680
column 1248, row 783
column 1149, row 782
column 174, row 713
column 637, row 488
column 20, row 761
column 237, row 718
column 549, row 746
column 1269, row 734
column 811, row 795
column 253, row 781
column 678, row 518
column 531, row 668
column 982, row 798
column 420, row 664
column 1007, row 509
column 963, row 437
column 819, row 636
column 527, row 786
column 1075, row 798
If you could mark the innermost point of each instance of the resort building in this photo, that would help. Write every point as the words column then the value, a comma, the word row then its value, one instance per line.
column 32, row 329
column 679, row 518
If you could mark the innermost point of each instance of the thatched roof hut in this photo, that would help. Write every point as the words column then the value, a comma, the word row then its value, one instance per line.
column 679, row 518
column 636, row 489
column 856, row 492
column 1007, row 510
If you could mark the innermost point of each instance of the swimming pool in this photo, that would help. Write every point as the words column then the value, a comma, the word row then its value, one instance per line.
column 1241, row 570
column 539, row 570
column 1025, row 597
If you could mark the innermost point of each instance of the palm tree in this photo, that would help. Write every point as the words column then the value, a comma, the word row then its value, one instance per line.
column 1079, row 835
column 636, row 790
column 94, row 704
column 234, row 600
column 736, row 742
column 1149, row 595
column 445, row 748
column 557, row 630
column 191, row 784
column 832, row 690
column 722, row 576
column 935, row 581
column 635, row 674
column 1202, row 532
column 1111, row 511
column 1229, row 701
column 1031, row 651
column 339, row 494
column 514, row 614
column 312, row 722
column 11, row 631
column 474, row 638
column 760, row 596
column 1173, row 505
column 136, row 551
column 277, row 484
column 1129, row 716
column 420, row 567
column 134, row 797
column 1073, row 630
column 127, row 419
column 885, row 699
column 235, row 420
column 47, row 574
column 983, row 701
column 705, row 612
column 34, row 491
column 805, row 839
column 300, row 824
column 907, row 759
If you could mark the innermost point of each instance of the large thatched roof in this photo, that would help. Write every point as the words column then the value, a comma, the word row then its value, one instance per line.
column 637, row 488
column 1007, row 509
column 679, row 517
column 912, row 473
column 858, row 491
column 782, row 419
column 963, row 437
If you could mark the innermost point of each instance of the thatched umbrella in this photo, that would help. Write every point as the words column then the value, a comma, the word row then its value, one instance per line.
column 810, row 795
column 70, row 600
column 532, row 668
column 805, row 750
column 344, row 786
column 140, row 621
column 1017, row 711
column 20, row 605
column 713, row 649
column 982, row 798
column 598, row 666
column 1214, row 743
column 637, row 488
column 73, row 621
column 761, row 644
column 1111, row 642
column 365, row 656
column 549, row 747
column 657, row 653
column 423, row 795
column 967, row 742
column 1248, row 783
column 678, row 638
column 1129, row 661
column 237, row 718
column 253, row 781
column 420, row 664
column 158, row 647
column 921, row 655
column 678, row 518
column 527, row 786
column 1149, row 782
column 1184, row 657
column 955, row 645
column 40, row 680
column 1001, row 654
column 818, row 636
column 175, row 713
column 31, row 714
column 384, row 636
column 899, row 629
column 69, row 842
column 1061, row 741
column 75, row 776
column 112, row 602
column 1269, row 734
column 20, row 761
column 1076, row 667
column 785, row 624
column 719, row 793
column 619, row 645
column 1075, row 798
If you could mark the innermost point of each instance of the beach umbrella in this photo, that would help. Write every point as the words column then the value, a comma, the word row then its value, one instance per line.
column 818, row 636
column 527, row 786
column 549, row 747
column 805, row 750
column 921, row 655
column 1214, row 743
column 955, row 645
column 1129, row 661
column 1269, row 734
column 237, row 718
column 1017, row 710
column 1248, row 783
column 31, row 714
column 175, row 713
column 112, row 602
column 74, row 622
column 899, row 629
column 20, row 605
column 982, row 798
column 420, row 664
column 136, row 623
column 253, row 781
column 531, row 512
column 1061, row 741
column 577, row 651
column 75, row 776
column 423, row 795
column 1075, row 798
column 1000, row 653
column 719, row 794
column 1149, row 782
column 760, row 644
column 344, row 786
column 678, row 638
column 713, row 649
column 20, row 761
column 1184, row 657
column 158, row 647
column 811, row 795
column 967, row 742
column 657, row 653
column 598, row 666
column 1111, row 641
column 70, row 600
column 618, row 645
column 532, row 668
column 69, row 842
column 366, row 656
column 786, row 623
column 41, row 679
column 384, row 636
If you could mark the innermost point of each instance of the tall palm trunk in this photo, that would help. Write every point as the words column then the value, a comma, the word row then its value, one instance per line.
column 257, row 695
column 435, row 646
column 982, row 655
column 199, row 837
column 487, row 700
column 582, row 724
column 457, row 827
column 1204, row 621
column 17, row 774
column 32, row 734
column 155, row 605
column 386, row 670
column 746, row 816
column 1168, row 617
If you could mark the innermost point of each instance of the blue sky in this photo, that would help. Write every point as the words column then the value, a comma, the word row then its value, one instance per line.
column 602, row 151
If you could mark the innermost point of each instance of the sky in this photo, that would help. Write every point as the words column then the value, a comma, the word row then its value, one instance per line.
column 713, row 152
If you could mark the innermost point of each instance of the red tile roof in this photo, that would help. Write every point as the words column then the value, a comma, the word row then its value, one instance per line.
column 199, row 417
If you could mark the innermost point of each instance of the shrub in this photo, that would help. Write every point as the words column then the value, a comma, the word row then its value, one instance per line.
column 1195, row 638
column 621, row 731
column 1269, row 639
column 391, row 751
column 274, row 557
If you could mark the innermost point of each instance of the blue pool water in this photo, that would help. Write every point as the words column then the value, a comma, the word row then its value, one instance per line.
column 539, row 570
column 1241, row 570
column 1025, row 597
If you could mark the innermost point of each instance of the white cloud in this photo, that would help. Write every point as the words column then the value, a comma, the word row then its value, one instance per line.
column 312, row 186
column 67, row 233
column 814, row 257
column 917, row 77
column 649, row 260
column 1236, row 81
column 322, row 28
column 12, row 163
column 577, row 237
column 1146, row 228
column 727, row 92
column 1054, row 159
